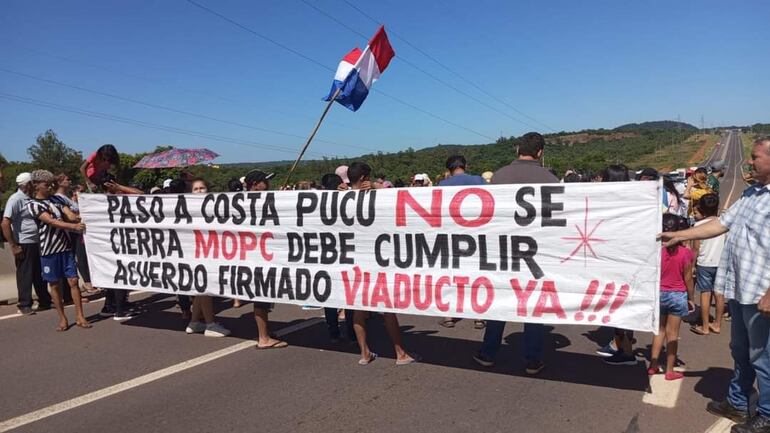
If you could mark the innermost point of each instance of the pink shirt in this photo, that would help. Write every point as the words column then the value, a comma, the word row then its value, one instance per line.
column 96, row 167
column 672, row 267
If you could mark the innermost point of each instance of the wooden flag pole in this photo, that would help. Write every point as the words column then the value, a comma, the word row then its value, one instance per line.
column 309, row 139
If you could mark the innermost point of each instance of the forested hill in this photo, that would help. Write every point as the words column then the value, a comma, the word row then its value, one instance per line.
column 659, row 125
column 587, row 150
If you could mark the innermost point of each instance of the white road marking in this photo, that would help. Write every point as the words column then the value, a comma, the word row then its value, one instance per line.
column 722, row 425
column 91, row 397
column 663, row 393
column 736, row 170
column 11, row 316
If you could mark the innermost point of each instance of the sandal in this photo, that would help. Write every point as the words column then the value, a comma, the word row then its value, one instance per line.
column 61, row 328
column 715, row 331
column 372, row 357
column 85, row 325
column 652, row 371
column 413, row 358
column 698, row 329
column 277, row 345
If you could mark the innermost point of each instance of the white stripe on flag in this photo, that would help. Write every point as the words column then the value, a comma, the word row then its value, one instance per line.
column 343, row 70
column 368, row 71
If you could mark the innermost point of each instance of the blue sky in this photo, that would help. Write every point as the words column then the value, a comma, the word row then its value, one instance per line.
column 569, row 65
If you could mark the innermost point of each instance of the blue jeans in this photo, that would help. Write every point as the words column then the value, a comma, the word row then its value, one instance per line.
column 749, row 336
column 534, row 333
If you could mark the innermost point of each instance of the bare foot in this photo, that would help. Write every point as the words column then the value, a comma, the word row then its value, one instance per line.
column 83, row 323
column 63, row 326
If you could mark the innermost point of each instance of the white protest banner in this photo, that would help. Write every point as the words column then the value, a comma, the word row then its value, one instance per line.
column 553, row 253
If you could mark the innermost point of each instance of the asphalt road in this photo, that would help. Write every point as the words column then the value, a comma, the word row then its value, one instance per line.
column 730, row 151
column 146, row 374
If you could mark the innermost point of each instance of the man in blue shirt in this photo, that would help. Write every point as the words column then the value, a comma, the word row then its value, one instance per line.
column 456, row 165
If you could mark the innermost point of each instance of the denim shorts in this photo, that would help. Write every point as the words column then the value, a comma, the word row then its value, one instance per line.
column 704, row 278
column 673, row 303
column 58, row 265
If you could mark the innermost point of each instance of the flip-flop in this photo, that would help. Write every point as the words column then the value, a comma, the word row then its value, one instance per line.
column 654, row 370
column 697, row 330
column 62, row 328
column 277, row 345
column 715, row 331
column 412, row 359
column 372, row 357
column 84, row 325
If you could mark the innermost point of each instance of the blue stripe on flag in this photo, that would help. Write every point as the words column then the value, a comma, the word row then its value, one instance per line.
column 353, row 93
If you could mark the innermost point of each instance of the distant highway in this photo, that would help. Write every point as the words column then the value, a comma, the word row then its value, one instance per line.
column 730, row 151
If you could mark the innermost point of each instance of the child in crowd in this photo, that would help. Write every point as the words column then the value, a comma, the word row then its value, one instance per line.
column 95, row 168
column 708, row 252
column 676, row 292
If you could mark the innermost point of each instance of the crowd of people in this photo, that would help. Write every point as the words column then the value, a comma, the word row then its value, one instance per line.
column 715, row 257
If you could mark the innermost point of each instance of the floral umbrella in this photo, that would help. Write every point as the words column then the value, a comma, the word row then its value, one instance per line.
column 176, row 158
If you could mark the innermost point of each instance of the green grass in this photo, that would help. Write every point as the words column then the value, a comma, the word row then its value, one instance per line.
column 747, row 138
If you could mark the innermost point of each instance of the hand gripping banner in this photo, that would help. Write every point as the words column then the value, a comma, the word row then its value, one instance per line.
column 553, row 253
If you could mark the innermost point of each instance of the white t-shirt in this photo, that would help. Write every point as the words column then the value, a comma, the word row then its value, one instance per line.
column 710, row 249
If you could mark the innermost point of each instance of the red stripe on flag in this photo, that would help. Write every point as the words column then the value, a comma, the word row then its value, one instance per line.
column 381, row 49
column 353, row 56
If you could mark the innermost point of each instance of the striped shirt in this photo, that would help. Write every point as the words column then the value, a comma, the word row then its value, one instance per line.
column 744, row 267
column 52, row 239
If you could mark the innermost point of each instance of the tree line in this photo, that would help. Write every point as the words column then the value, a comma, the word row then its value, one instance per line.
column 51, row 153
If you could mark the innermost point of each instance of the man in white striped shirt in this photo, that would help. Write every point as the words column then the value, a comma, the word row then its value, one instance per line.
column 54, row 218
column 744, row 279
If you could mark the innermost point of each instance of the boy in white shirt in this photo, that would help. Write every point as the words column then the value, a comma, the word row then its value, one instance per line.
column 708, row 252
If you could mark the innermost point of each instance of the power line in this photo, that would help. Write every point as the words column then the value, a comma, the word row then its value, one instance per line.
column 419, row 69
column 318, row 63
column 173, row 110
column 259, row 35
column 189, row 90
column 144, row 124
column 447, row 68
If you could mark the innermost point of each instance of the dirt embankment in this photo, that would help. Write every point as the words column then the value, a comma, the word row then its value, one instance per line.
column 700, row 154
column 586, row 137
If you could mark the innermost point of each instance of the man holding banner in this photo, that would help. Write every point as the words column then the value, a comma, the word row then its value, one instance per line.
column 526, row 169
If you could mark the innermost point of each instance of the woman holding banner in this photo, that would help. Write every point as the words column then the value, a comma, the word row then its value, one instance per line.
column 202, row 305
column 359, row 173
column 257, row 180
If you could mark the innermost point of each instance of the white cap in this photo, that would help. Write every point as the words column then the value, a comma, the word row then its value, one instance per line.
column 243, row 179
column 23, row 178
column 342, row 172
column 166, row 183
column 420, row 176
